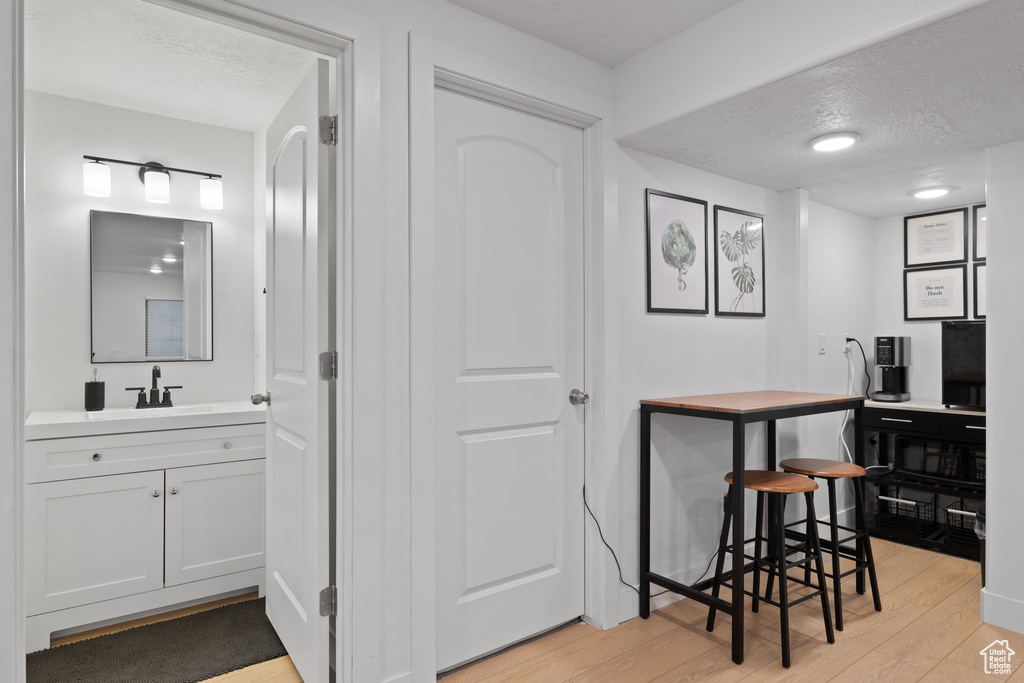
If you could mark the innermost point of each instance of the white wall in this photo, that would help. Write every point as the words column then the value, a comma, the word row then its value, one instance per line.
column 665, row 355
column 1002, row 600
column 58, row 132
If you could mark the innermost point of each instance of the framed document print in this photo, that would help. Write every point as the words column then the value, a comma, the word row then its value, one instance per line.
column 980, row 290
column 935, row 293
column 739, row 263
column 980, row 232
column 932, row 239
column 677, row 253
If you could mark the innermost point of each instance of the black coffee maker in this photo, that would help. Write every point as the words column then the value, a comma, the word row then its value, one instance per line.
column 892, row 356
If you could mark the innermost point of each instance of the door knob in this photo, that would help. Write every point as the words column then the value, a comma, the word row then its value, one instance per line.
column 260, row 398
column 579, row 398
column 156, row 493
column 174, row 490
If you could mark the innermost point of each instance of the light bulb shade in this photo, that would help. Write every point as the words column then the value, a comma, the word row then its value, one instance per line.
column 96, row 179
column 158, row 186
column 211, row 194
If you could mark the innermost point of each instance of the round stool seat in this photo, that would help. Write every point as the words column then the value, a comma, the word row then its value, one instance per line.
column 769, row 481
column 819, row 467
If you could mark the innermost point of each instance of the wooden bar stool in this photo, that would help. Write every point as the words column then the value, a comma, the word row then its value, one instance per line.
column 777, row 485
column 830, row 471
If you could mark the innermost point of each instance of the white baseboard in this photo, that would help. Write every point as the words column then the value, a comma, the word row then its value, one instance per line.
column 404, row 677
column 1002, row 611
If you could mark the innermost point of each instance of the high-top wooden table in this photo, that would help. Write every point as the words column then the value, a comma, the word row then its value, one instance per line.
column 741, row 409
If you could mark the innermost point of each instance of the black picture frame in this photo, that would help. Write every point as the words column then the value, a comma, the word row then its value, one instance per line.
column 961, row 253
column 984, row 314
column 659, row 293
column 733, row 216
column 960, row 314
column 974, row 234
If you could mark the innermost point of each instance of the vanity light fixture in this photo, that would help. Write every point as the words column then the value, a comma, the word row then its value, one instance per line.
column 931, row 192
column 155, row 176
column 834, row 142
column 96, row 179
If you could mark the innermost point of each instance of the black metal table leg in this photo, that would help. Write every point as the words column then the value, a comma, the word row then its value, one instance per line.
column 645, row 512
column 772, row 444
column 738, row 465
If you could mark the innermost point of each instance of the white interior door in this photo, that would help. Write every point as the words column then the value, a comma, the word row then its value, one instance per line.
column 510, row 346
column 298, row 300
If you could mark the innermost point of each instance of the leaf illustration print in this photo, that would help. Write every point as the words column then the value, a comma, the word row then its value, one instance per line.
column 678, row 249
column 736, row 247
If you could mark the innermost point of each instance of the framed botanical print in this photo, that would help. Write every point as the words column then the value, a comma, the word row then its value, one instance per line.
column 935, row 293
column 677, row 253
column 739, row 263
column 980, row 232
column 933, row 239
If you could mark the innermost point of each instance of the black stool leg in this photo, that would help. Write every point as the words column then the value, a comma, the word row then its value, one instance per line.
column 720, row 566
column 807, row 532
column 780, row 556
column 758, row 531
column 862, row 527
column 816, row 546
column 771, row 502
column 833, row 524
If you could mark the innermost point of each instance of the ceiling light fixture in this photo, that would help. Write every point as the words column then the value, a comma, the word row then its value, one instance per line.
column 155, row 176
column 931, row 192
column 169, row 259
column 834, row 141
column 156, row 270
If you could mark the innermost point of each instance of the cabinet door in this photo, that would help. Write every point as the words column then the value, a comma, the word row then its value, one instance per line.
column 215, row 520
column 93, row 539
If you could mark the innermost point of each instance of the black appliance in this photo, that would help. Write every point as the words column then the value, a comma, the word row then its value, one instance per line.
column 963, row 363
column 892, row 356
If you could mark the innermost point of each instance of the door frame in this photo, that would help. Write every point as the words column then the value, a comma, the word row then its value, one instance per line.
column 436, row 64
column 354, row 42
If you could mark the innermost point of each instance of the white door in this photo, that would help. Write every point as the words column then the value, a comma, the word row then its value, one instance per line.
column 298, row 300
column 510, row 331
column 214, row 520
column 93, row 539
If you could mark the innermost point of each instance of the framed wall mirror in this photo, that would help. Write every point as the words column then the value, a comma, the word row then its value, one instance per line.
column 152, row 288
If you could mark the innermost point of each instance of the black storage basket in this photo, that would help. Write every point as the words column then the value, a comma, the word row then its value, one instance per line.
column 912, row 515
column 960, row 516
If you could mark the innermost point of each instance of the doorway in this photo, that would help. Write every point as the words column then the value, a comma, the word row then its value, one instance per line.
column 267, row 56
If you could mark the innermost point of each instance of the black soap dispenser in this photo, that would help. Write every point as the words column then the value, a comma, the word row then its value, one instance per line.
column 94, row 393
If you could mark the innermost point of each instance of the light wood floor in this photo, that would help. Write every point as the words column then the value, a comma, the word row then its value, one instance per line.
column 929, row 630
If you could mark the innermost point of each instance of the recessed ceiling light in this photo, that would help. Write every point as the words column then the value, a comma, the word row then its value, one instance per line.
column 156, row 270
column 931, row 192
column 169, row 259
column 834, row 141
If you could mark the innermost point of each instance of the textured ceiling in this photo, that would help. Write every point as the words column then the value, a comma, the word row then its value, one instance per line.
column 606, row 31
column 927, row 104
column 135, row 55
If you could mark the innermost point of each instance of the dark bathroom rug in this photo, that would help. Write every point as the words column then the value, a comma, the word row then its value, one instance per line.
column 182, row 650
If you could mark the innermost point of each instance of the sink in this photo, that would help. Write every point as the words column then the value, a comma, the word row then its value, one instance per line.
column 123, row 413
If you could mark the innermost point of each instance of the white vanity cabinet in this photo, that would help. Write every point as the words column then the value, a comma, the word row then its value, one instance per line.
column 119, row 525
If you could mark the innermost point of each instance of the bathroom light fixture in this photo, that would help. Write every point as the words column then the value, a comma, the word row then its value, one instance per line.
column 155, row 176
column 211, row 193
column 931, row 192
column 834, row 141
column 169, row 259
column 156, row 270
column 96, row 179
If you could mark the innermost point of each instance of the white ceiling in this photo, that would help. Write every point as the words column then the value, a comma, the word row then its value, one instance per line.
column 927, row 104
column 136, row 55
column 606, row 31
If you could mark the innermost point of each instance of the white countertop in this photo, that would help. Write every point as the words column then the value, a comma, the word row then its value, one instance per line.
column 928, row 406
column 58, row 424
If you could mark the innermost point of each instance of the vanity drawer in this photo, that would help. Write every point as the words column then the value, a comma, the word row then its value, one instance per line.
column 94, row 456
column 911, row 421
column 969, row 428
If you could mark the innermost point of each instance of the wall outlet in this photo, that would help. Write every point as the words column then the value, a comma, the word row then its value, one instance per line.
column 821, row 343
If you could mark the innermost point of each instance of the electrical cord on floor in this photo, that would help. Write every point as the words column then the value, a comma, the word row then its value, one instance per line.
column 616, row 557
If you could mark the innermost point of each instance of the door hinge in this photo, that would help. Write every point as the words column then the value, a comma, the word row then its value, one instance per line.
column 329, row 601
column 329, row 365
column 329, row 130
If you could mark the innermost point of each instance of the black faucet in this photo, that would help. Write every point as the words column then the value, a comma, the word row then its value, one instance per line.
column 154, row 393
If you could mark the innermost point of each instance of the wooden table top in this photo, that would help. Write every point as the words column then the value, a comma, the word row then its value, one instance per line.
column 750, row 401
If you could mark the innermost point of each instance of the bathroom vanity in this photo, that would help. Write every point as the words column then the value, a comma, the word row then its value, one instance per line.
column 129, row 512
